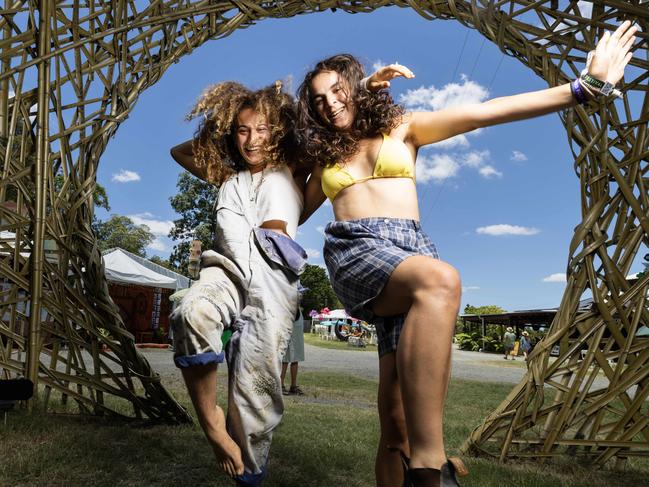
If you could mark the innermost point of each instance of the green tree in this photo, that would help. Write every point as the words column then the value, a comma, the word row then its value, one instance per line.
column 490, row 309
column 120, row 231
column 194, row 203
column 320, row 293
column 156, row 259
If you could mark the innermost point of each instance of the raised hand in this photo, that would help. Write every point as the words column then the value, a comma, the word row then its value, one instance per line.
column 381, row 78
column 612, row 53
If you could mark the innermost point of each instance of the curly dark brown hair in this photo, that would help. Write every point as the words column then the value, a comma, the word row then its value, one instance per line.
column 214, row 143
column 376, row 113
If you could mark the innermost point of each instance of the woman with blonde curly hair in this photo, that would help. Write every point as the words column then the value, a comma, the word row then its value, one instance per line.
column 383, row 267
column 248, row 284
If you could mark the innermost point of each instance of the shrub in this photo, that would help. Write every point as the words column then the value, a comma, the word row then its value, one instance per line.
column 474, row 342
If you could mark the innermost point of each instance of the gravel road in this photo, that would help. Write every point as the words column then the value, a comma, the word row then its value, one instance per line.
column 466, row 365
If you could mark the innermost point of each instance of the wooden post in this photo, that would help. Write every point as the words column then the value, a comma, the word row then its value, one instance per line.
column 40, row 173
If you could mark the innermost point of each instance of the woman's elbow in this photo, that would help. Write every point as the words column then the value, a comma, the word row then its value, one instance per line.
column 175, row 153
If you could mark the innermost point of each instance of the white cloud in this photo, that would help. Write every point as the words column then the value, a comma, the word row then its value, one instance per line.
column 558, row 277
column 452, row 143
column 125, row 176
column 158, row 245
column 437, row 167
column 505, row 229
column 312, row 253
column 470, row 288
column 288, row 83
column 518, row 156
column 451, row 95
column 320, row 229
column 378, row 64
column 157, row 227
column 475, row 159
column 489, row 172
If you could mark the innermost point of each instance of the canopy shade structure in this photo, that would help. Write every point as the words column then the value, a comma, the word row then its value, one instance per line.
column 524, row 317
column 181, row 282
column 123, row 269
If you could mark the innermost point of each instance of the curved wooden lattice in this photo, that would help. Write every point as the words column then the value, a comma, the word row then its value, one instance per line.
column 72, row 72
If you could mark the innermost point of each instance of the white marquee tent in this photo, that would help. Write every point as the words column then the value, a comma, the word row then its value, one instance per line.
column 123, row 267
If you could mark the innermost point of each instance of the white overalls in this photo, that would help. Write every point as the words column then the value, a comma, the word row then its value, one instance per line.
column 242, row 289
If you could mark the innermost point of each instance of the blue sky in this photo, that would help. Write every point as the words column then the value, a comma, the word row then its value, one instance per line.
column 501, row 204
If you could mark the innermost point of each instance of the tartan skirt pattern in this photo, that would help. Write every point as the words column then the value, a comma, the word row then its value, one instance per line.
column 361, row 255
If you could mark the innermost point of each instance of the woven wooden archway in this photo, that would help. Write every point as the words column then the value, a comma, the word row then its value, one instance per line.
column 71, row 73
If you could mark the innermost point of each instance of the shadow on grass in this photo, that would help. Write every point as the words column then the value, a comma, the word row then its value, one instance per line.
column 327, row 438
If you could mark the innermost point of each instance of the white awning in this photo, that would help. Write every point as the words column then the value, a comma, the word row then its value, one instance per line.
column 121, row 268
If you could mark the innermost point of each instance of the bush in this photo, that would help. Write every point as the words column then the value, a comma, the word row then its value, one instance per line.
column 474, row 342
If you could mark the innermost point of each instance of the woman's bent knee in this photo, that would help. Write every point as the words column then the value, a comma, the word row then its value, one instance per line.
column 438, row 279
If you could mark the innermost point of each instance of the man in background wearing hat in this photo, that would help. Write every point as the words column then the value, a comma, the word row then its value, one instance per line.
column 508, row 341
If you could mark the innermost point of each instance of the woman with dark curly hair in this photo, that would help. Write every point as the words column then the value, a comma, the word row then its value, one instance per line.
column 383, row 267
column 248, row 284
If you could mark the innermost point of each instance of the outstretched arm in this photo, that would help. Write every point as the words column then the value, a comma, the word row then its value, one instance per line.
column 608, row 63
column 183, row 154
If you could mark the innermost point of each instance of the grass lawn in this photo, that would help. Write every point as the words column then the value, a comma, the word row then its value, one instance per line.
column 315, row 340
column 327, row 438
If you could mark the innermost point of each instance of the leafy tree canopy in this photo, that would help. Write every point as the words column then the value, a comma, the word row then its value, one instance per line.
column 490, row 309
column 156, row 259
column 320, row 293
column 120, row 231
column 194, row 203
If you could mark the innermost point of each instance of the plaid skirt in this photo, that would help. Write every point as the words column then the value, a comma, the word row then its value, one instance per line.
column 361, row 256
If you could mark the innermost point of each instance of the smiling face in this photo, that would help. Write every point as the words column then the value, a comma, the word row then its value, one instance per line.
column 330, row 99
column 252, row 135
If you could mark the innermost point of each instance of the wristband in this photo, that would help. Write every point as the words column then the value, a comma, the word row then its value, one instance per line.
column 602, row 87
column 578, row 92
column 364, row 83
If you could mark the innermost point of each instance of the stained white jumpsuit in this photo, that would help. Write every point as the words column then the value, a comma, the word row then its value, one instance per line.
column 246, row 286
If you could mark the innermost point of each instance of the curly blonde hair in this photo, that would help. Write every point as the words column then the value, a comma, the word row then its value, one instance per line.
column 214, row 143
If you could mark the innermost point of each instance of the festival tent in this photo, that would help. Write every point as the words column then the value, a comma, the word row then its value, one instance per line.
column 123, row 269
column 337, row 314
column 141, row 289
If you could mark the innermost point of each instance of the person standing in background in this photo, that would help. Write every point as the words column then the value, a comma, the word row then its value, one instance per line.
column 294, row 354
column 525, row 344
column 508, row 342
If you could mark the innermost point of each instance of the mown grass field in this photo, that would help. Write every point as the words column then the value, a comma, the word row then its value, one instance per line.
column 327, row 438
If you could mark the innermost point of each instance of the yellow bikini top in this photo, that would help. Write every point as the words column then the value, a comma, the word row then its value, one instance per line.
column 394, row 161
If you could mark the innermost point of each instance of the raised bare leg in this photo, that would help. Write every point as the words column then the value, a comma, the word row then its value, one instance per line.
column 201, row 384
column 428, row 290
column 394, row 435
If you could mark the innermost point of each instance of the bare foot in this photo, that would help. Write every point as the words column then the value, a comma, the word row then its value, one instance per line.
column 228, row 454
